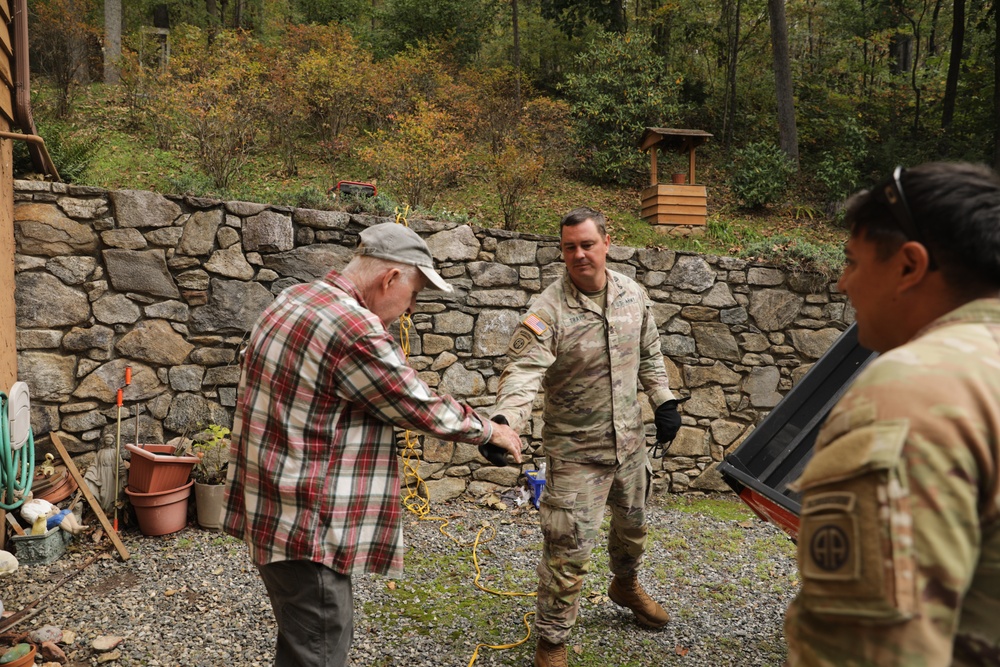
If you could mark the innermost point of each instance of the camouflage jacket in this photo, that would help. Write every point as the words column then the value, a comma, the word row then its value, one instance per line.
column 899, row 543
column 590, row 364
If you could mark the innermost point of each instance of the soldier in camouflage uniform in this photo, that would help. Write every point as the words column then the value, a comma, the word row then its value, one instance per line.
column 589, row 340
column 899, row 543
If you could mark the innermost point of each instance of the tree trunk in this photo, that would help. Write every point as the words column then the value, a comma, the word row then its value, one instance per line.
column 996, row 93
column 517, row 52
column 112, row 41
column 731, row 15
column 954, row 63
column 788, row 136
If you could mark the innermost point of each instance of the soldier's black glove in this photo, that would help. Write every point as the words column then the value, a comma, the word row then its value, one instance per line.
column 667, row 421
column 495, row 454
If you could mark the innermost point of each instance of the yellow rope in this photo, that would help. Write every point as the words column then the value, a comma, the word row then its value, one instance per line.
column 419, row 503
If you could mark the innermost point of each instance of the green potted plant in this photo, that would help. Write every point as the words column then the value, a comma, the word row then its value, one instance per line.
column 211, row 446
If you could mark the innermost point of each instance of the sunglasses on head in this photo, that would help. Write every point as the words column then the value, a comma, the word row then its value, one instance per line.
column 891, row 192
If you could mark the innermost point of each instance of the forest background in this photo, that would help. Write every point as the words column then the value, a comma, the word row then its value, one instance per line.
column 506, row 113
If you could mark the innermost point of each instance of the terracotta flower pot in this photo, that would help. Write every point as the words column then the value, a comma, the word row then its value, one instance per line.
column 24, row 661
column 163, row 512
column 154, row 468
column 679, row 179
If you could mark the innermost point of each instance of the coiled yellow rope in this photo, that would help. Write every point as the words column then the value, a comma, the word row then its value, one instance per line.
column 418, row 502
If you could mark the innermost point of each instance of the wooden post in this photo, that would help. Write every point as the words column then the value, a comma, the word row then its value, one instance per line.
column 691, row 166
column 653, row 179
column 94, row 504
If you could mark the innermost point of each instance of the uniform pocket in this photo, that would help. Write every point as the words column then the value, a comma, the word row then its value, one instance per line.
column 855, row 546
column 557, row 516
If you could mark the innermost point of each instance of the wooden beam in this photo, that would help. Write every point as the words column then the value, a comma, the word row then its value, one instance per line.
column 691, row 167
column 14, row 524
column 94, row 505
column 652, row 158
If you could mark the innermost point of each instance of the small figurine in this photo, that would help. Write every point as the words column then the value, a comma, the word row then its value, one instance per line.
column 48, row 468
column 35, row 510
column 100, row 477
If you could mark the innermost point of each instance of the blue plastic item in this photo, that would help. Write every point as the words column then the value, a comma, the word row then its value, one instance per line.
column 536, row 486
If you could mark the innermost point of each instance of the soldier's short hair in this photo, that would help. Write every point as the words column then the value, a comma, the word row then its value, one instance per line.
column 954, row 211
column 583, row 214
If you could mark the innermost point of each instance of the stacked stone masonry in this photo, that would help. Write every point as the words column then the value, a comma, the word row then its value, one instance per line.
column 170, row 286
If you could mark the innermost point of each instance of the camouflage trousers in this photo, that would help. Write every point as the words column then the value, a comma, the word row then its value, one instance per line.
column 571, row 512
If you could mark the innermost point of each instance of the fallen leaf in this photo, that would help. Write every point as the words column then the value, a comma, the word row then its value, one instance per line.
column 169, row 592
column 577, row 649
column 680, row 650
column 391, row 585
column 745, row 524
column 218, row 571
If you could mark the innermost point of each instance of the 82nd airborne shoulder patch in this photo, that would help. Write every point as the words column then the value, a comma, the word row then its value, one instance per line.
column 523, row 340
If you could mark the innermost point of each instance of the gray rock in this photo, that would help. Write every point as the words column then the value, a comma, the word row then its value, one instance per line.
column 725, row 432
column 189, row 411
column 212, row 356
column 719, row 297
column 493, row 331
column 321, row 219
column 86, row 209
column 96, row 337
column 155, row 342
column 434, row 344
column 129, row 239
column 43, row 301
column 104, row 382
column 516, row 251
column 718, row 373
column 72, row 270
column 143, row 271
column 774, row 309
column 706, row 402
column 199, row 232
column 233, row 307
column 137, row 208
column 38, row 339
column 453, row 322
column 309, row 262
column 222, row 376
column 500, row 475
column 656, row 259
column 186, row 378
column 195, row 279
column 84, row 421
column 677, row 345
column 689, row 442
column 227, row 237
column 692, row 273
column 437, row 451
column 492, row 274
column 711, row 480
column 620, row 253
column 733, row 316
column 41, row 229
column 765, row 277
column 762, row 385
column 50, row 377
column 454, row 245
column 167, row 237
column 461, row 382
column 813, row 344
column 244, row 208
column 716, row 341
column 116, row 309
column 443, row 490
column 754, row 342
column 268, row 231
column 230, row 263
column 498, row 297
column 169, row 310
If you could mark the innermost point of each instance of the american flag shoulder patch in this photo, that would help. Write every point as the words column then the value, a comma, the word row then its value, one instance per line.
column 535, row 323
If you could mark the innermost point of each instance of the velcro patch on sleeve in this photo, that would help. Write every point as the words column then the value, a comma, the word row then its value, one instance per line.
column 535, row 324
column 521, row 342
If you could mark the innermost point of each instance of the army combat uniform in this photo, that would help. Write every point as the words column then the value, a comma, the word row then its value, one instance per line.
column 899, row 546
column 589, row 361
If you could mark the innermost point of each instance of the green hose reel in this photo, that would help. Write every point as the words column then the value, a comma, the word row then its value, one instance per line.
column 17, row 447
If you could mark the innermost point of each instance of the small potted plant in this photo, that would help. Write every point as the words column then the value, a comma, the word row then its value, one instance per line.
column 211, row 446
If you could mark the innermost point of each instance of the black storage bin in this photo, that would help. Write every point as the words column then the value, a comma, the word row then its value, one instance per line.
column 776, row 452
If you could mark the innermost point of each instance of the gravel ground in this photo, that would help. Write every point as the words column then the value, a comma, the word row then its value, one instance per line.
column 193, row 598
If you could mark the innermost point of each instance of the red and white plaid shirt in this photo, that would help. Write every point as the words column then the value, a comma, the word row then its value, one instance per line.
column 313, row 473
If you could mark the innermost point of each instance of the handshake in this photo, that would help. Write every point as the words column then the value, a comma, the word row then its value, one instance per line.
column 504, row 440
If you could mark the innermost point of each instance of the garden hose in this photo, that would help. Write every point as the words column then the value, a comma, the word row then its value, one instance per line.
column 17, row 465
column 419, row 503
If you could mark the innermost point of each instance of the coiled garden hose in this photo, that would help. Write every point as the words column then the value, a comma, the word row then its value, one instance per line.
column 17, row 466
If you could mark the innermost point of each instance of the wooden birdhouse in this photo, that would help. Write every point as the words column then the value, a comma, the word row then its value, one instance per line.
column 682, row 202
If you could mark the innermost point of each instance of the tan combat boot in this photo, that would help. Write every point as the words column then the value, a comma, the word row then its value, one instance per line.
column 627, row 592
column 550, row 655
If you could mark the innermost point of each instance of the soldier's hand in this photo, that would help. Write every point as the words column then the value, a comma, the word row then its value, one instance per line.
column 667, row 420
column 504, row 440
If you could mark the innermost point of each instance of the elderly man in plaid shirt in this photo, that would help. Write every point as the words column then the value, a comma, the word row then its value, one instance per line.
column 313, row 478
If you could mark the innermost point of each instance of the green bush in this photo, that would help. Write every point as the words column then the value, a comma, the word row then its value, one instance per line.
column 760, row 173
column 619, row 88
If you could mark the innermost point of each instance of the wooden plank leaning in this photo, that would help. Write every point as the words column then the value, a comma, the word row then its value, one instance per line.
column 94, row 505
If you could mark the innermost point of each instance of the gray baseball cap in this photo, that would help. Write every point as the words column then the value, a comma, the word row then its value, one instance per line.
column 398, row 243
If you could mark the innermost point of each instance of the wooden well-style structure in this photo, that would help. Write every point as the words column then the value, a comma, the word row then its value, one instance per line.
column 682, row 202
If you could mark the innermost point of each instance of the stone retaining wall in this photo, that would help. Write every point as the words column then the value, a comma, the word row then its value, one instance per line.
column 170, row 285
